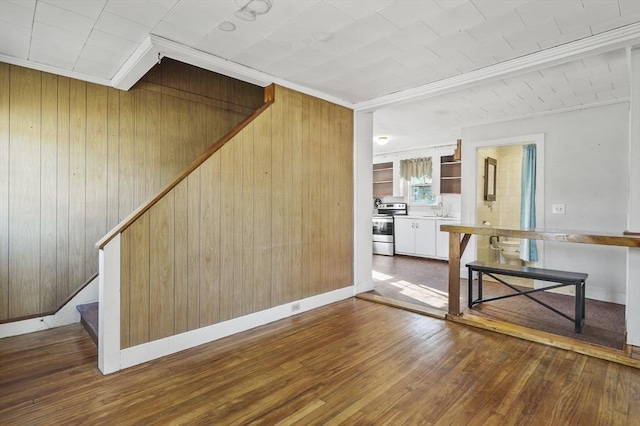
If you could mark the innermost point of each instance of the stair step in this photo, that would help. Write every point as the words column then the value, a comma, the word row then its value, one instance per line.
column 89, row 319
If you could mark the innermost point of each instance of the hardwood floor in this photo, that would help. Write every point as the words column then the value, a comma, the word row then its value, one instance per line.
column 353, row 362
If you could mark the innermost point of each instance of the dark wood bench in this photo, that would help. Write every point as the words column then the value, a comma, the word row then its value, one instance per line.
column 563, row 278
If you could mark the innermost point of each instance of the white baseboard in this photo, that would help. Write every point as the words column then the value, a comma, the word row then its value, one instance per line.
column 169, row 345
column 68, row 314
column 364, row 287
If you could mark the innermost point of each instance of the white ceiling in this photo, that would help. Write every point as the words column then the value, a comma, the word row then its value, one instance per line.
column 353, row 50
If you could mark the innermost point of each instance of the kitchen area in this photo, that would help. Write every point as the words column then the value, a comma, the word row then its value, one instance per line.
column 414, row 193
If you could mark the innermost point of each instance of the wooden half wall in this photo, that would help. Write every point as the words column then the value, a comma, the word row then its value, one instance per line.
column 76, row 158
column 264, row 221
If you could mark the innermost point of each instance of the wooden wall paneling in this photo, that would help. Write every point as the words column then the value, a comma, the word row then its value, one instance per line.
column 139, row 278
column 279, row 281
column 288, row 233
column 170, row 151
column 193, row 249
column 140, row 169
column 113, row 157
column 227, row 231
column 154, row 145
column 5, row 87
column 306, row 200
column 24, row 191
column 210, row 241
column 248, row 211
column 77, row 182
column 127, row 155
column 315, row 191
column 297, row 190
column 262, row 219
column 162, row 268
column 327, row 198
column 181, row 257
column 96, row 170
column 48, row 193
column 346, row 200
column 125, row 288
column 238, row 208
column 62, row 183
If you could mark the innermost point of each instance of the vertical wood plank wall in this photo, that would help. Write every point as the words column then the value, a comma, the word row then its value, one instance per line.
column 265, row 221
column 76, row 158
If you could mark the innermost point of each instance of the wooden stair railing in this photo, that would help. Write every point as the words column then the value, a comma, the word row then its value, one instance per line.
column 269, row 93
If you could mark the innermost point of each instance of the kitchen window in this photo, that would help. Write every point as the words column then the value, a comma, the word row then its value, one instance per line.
column 420, row 191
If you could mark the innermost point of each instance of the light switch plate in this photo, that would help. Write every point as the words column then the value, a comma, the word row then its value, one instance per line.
column 557, row 209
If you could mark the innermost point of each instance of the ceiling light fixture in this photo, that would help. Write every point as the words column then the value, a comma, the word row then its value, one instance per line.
column 382, row 140
column 249, row 10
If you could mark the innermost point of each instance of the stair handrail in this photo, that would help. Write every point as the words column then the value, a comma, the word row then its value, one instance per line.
column 269, row 94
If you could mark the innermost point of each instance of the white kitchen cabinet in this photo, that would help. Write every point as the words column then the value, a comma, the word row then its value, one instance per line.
column 415, row 236
column 442, row 239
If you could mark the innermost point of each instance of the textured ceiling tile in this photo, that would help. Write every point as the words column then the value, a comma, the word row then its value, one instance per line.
column 103, row 56
column 456, row 19
column 340, row 44
column 266, row 51
column 16, row 14
column 89, row 8
column 29, row 4
column 565, row 38
column 14, row 40
column 418, row 34
column 416, row 56
column 116, row 25
column 489, row 48
column 532, row 13
column 177, row 34
column 494, row 8
column 457, row 41
column 613, row 24
column 222, row 44
column 372, row 52
column 497, row 26
column 111, row 42
column 286, row 68
column 544, row 31
column 74, row 40
column 98, row 69
column 62, row 18
column 403, row 13
column 193, row 19
column 371, row 28
column 251, row 31
column 630, row 8
column 358, row 9
column 594, row 12
column 167, row 4
column 140, row 11
column 49, row 53
column 323, row 17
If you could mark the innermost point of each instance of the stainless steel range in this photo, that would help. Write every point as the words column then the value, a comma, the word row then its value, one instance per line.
column 383, row 226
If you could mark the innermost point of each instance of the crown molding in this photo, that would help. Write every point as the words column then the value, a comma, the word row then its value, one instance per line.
column 154, row 47
column 53, row 70
column 610, row 40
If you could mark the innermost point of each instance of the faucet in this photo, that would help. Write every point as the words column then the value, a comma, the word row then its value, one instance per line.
column 440, row 209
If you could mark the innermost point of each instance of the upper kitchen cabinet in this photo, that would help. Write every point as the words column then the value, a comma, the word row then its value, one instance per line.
column 450, row 175
column 383, row 179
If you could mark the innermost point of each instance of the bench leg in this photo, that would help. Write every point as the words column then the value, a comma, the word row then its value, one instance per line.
column 580, row 306
column 470, row 289
column 479, row 285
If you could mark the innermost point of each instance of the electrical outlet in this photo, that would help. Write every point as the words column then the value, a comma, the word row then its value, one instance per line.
column 558, row 209
column 295, row 307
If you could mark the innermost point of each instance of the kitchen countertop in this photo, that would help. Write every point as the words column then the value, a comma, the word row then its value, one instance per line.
column 417, row 216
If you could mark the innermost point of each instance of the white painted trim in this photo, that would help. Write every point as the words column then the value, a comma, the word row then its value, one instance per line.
column 469, row 181
column 154, row 47
column 169, row 345
column 67, row 315
column 598, row 43
column 365, row 286
column 136, row 66
column 109, row 312
column 53, row 70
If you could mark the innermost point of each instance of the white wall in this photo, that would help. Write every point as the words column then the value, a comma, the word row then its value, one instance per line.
column 363, row 201
column 585, row 168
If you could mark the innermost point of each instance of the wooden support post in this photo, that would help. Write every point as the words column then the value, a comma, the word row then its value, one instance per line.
column 454, row 273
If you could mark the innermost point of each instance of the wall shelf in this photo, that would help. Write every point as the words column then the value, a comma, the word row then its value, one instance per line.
column 450, row 175
column 383, row 179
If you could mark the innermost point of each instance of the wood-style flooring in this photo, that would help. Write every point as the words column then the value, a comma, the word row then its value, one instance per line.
column 425, row 282
column 352, row 362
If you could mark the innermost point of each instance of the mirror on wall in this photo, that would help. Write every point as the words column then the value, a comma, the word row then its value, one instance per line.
column 490, row 171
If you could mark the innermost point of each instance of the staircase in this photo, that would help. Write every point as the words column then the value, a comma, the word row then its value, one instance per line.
column 89, row 319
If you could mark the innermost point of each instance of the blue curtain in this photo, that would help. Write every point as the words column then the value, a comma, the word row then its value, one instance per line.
column 528, row 249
